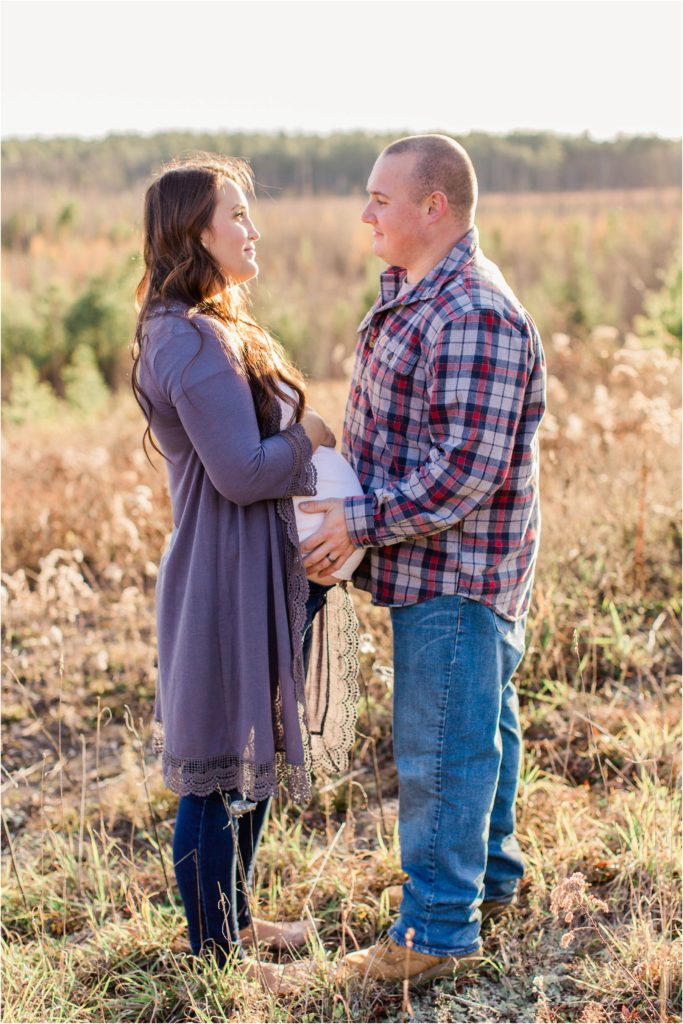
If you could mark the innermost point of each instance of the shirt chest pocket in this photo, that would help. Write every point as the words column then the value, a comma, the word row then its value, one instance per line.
column 395, row 379
column 394, row 354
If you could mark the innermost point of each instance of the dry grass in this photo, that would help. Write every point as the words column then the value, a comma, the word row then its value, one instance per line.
column 92, row 925
column 578, row 259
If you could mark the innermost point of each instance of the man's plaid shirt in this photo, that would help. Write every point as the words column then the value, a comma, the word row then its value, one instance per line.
column 441, row 426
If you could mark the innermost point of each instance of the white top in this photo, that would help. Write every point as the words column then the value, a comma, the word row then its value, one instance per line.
column 404, row 289
column 335, row 479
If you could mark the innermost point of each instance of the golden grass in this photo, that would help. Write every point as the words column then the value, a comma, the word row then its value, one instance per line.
column 92, row 925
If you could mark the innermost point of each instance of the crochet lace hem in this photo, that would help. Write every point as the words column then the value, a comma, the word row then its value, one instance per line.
column 256, row 780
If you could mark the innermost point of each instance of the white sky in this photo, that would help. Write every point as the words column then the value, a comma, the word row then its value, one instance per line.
column 93, row 67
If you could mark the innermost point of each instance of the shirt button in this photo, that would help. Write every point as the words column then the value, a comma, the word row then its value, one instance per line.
column 357, row 389
column 371, row 343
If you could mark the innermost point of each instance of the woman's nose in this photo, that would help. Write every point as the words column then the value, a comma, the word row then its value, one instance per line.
column 254, row 235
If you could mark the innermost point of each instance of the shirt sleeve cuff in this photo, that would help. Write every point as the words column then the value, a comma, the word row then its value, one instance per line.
column 304, row 477
column 359, row 513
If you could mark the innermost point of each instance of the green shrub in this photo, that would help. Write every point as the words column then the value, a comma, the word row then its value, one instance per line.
column 30, row 399
column 660, row 324
column 84, row 386
column 102, row 319
column 32, row 328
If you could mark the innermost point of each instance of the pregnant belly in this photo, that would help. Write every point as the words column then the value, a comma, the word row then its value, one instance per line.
column 336, row 479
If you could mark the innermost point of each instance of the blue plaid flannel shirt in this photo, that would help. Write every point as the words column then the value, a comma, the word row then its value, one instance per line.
column 441, row 426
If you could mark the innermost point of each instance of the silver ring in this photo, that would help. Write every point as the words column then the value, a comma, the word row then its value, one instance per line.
column 331, row 558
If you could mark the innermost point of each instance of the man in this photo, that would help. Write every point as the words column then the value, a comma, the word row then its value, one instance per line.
column 447, row 395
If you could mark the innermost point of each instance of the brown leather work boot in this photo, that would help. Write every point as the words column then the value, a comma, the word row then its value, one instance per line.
column 394, row 894
column 387, row 961
column 491, row 910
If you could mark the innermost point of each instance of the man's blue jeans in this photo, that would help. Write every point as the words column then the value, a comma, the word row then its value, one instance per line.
column 457, row 745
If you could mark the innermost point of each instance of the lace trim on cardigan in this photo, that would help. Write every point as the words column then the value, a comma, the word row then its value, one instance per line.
column 332, row 693
column 258, row 780
column 297, row 595
column 304, row 476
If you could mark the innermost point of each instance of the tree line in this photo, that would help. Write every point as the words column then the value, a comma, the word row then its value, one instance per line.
column 339, row 163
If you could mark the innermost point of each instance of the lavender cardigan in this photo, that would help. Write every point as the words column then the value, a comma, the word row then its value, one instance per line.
column 230, row 704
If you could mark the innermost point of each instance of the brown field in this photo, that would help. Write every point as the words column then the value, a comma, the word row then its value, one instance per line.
column 92, row 926
column 578, row 260
column 93, row 934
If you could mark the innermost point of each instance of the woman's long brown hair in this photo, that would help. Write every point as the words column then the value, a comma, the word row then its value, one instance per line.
column 179, row 206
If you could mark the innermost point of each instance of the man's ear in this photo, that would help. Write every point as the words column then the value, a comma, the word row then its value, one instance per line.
column 437, row 205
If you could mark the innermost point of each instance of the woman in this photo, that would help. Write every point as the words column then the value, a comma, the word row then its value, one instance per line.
column 232, row 597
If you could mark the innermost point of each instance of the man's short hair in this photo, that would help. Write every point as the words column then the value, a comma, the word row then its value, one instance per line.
column 442, row 166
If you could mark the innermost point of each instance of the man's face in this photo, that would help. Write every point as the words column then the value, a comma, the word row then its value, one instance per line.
column 397, row 220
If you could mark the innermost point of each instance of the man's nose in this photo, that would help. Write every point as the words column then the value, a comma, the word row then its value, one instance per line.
column 368, row 216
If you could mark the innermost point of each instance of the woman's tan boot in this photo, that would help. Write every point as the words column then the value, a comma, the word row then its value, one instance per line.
column 277, row 934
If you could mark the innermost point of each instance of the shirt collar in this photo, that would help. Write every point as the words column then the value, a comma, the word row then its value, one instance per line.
column 430, row 285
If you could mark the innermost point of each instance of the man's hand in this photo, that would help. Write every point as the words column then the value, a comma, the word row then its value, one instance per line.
column 328, row 549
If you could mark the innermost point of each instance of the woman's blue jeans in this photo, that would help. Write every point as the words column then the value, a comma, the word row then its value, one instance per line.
column 457, row 745
column 214, row 852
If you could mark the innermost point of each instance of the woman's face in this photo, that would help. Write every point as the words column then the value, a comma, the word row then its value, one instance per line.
column 231, row 236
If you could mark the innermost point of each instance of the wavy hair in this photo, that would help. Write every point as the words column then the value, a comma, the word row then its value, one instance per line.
column 179, row 206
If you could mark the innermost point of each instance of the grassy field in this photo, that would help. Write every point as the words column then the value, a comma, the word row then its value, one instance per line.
column 92, row 925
